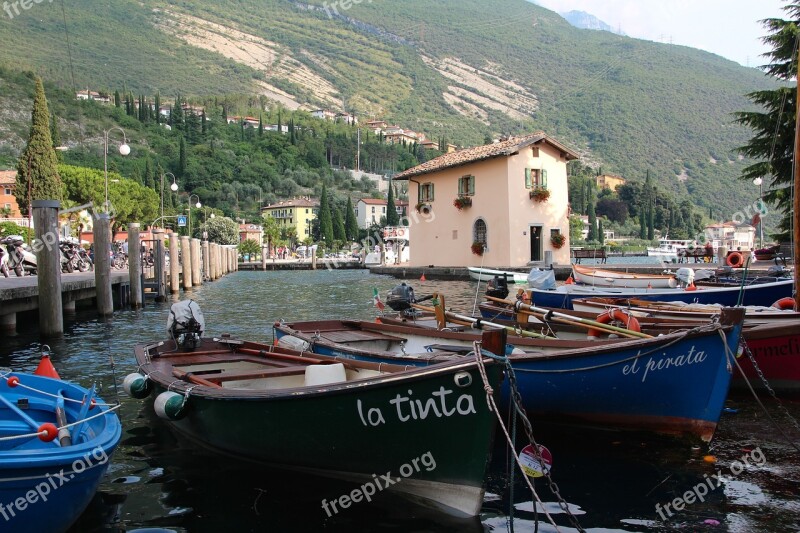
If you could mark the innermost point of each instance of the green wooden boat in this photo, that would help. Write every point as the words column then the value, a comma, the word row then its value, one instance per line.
column 424, row 432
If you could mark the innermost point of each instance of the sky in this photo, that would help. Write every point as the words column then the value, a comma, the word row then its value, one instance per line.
column 729, row 28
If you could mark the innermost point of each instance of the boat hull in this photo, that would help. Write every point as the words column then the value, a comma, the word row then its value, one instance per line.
column 486, row 274
column 599, row 277
column 674, row 384
column 437, row 452
column 776, row 351
column 757, row 294
column 43, row 486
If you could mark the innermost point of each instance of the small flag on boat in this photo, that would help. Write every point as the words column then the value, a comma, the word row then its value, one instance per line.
column 376, row 299
column 422, row 277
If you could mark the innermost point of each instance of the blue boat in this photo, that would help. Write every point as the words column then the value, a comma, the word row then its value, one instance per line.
column 672, row 384
column 56, row 440
column 764, row 294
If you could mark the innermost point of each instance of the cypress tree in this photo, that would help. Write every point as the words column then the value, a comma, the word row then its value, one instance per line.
column 339, row 232
column 325, row 220
column 600, row 233
column 203, row 125
column 350, row 222
column 56, row 137
column 392, row 218
column 279, row 122
column 157, row 105
column 149, row 178
column 117, row 99
column 37, row 172
column 651, row 217
column 182, row 158
column 260, row 125
column 592, row 217
column 642, row 224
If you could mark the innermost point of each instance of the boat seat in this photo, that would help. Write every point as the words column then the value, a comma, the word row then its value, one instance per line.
column 212, row 378
column 351, row 336
column 324, row 374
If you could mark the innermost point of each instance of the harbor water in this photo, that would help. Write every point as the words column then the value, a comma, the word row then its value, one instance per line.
column 748, row 479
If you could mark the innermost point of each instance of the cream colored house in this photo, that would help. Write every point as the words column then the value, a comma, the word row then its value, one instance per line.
column 502, row 184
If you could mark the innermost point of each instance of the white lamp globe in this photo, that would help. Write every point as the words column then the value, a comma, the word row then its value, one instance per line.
column 198, row 205
column 212, row 215
column 124, row 149
column 758, row 181
column 174, row 186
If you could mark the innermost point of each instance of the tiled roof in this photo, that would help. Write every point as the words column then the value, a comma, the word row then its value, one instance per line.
column 294, row 202
column 8, row 177
column 480, row 153
column 373, row 201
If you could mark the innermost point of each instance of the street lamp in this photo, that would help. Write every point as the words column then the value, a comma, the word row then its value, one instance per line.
column 124, row 149
column 205, row 224
column 758, row 181
column 198, row 205
column 173, row 187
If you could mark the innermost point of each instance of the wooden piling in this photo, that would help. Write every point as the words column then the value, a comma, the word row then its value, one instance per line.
column 159, row 265
column 174, row 264
column 48, row 265
column 206, row 261
column 102, row 264
column 197, row 278
column 186, row 261
column 135, row 264
column 264, row 254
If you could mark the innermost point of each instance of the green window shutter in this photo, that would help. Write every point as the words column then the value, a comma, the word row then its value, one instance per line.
column 527, row 178
column 431, row 198
column 461, row 186
column 419, row 192
column 544, row 179
column 472, row 185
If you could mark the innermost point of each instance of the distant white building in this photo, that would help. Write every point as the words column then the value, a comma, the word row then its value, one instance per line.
column 369, row 211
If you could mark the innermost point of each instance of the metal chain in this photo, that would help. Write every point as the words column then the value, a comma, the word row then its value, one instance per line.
column 782, row 408
column 512, row 380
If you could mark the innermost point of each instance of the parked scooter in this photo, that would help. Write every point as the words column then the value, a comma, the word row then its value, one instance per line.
column 3, row 261
column 73, row 256
column 20, row 258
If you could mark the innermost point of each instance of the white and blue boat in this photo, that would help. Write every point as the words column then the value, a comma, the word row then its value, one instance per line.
column 56, row 441
column 673, row 384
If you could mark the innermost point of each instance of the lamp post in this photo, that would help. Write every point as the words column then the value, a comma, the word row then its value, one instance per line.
column 205, row 224
column 173, row 187
column 760, row 182
column 124, row 149
column 198, row 205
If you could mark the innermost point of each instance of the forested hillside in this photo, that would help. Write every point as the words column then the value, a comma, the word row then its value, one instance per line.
column 464, row 71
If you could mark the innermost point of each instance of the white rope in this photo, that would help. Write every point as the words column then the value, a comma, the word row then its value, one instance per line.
column 493, row 407
column 44, row 393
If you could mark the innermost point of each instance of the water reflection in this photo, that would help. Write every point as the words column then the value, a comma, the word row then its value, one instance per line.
column 158, row 482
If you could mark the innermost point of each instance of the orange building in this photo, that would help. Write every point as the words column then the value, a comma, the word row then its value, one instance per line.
column 8, row 203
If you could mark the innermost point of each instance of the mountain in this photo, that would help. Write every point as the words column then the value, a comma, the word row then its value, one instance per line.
column 461, row 70
column 587, row 21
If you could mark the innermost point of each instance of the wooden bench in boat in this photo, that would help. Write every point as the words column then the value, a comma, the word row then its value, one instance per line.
column 351, row 336
column 213, row 377
column 599, row 253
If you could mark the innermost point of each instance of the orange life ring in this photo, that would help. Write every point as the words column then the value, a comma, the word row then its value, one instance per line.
column 784, row 303
column 734, row 259
column 401, row 232
column 617, row 315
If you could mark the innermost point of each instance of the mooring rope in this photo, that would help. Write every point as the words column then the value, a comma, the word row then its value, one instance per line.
column 66, row 426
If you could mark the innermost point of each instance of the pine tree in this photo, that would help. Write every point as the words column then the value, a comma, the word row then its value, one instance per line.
column 392, row 218
column 350, row 222
column 56, row 137
column 37, row 172
column 325, row 220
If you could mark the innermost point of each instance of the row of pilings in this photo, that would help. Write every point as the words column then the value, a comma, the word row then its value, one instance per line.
column 200, row 261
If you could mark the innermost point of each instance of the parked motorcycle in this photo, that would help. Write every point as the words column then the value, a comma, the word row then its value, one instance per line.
column 73, row 256
column 20, row 258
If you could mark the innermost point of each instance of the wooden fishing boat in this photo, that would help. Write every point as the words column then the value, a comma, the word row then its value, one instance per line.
column 763, row 294
column 600, row 277
column 345, row 419
column 486, row 274
column 771, row 335
column 56, row 441
column 674, row 384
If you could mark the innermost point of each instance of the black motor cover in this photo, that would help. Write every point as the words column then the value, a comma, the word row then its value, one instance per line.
column 401, row 297
column 497, row 287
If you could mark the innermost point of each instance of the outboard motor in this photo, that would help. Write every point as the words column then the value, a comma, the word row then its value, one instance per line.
column 777, row 271
column 497, row 287
column 685, row 276
column 186, row 324
column 400, row 298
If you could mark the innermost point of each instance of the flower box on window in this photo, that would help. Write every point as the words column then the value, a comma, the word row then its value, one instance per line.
column 424, row 208
column 462, row 201
column 557, row 240
column 539, row 194
column 477, row 248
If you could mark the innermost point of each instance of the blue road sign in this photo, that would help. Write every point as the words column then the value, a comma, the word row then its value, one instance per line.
column 181, row 220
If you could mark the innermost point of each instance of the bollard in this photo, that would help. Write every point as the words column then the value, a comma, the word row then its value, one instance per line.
column 174, row 265
column 722, row 255
column 135, row 264
column 214, row 262
column 48, row 261
column 313, row 259
column 206, row 262
column 264, row 253
column 102, row 264
column 186, row 262
column 197, row 278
